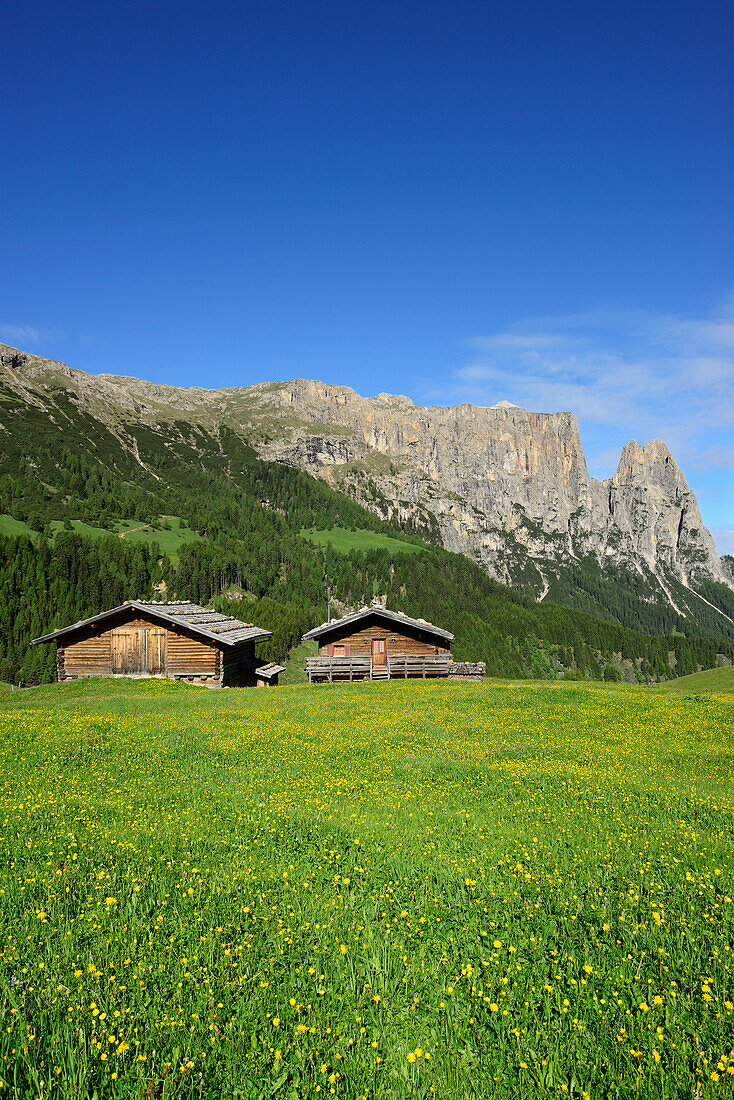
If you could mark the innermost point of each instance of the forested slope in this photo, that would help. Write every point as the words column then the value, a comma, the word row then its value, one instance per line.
column 66, row 466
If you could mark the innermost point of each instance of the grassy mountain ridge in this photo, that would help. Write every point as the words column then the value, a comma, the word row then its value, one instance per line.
column 166, row 430
column 713, row 681
column 60, row 468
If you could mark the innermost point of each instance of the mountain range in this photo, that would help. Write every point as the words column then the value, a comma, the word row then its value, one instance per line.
column 504, row 486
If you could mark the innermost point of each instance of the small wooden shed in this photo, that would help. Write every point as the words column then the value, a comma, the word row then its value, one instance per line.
column 178, row 641
column 376, row 644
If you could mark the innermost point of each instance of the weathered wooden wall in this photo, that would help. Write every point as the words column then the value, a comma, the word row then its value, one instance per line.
column 238, row 666
column 397, row 641
column 138, row 648
column 191, row 657
column 117, row 650
column 90, row 656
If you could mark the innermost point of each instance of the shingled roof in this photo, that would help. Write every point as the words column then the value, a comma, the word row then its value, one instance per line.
column 198, row 620
column 269, row 670
column 383, row 613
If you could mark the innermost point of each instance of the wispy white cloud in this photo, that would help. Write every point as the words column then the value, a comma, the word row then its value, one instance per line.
column 724, row 539
column 94, row 342
column 40, row 340
column 718, row 456
column 624, row 373
column 26, row 337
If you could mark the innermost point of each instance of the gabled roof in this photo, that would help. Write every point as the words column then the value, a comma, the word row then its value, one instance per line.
column 269, row 670
column 382, row 613
column 198, row 620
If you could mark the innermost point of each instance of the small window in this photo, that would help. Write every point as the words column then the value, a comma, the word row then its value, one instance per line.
column 340, row 651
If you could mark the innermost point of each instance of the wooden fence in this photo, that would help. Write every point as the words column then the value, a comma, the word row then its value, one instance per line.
column 401, row 666
column 426, row 665
column 338, row 668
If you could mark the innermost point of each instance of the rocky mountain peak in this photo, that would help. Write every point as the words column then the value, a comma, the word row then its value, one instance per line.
column 22, row 362
column 397, row 400
column 499, row 478
column 504, row 485
column 654, row 509
column 652, row 461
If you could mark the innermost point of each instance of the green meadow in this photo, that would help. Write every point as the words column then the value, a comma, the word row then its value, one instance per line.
column 170, row 539
column 295, row 668
column 15, row 528
column 345, row 541
column 375, row 890
column 711, row 680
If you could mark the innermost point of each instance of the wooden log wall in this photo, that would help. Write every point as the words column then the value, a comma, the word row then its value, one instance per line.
column 189, row 658
column 185, row 658
column 238, row 666
column 360, row 642
column 90, row 656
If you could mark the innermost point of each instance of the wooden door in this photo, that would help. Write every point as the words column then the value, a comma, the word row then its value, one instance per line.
column 378, row 653
column 139, row 650
column 121, row 646
column 156, row 650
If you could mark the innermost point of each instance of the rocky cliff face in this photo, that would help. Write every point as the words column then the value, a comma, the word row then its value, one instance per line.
column 656, row 513
column 501, row 484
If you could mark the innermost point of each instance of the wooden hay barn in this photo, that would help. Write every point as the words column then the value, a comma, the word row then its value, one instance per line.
column 377, row 644
column 178, row 641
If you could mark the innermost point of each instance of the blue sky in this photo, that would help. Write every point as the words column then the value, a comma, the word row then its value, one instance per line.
column 457, row 201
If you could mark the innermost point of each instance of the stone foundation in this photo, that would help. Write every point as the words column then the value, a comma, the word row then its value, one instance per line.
column 467, row 670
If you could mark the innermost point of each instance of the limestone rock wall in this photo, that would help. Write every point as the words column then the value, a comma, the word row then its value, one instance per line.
column 489, row 473
column 504, row 485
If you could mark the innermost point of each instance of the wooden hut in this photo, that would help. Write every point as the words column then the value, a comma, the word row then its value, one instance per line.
column 178, row 641
column 377, row 644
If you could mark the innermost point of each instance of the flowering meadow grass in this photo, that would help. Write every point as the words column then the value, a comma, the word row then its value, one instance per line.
column 390, row 890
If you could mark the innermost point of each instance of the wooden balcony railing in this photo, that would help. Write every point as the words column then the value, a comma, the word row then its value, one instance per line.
column 339, row 668
column 401, row 666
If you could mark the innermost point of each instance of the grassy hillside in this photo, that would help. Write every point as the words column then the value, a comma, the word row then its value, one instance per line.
column 195, row 507
column 392, row 891
column 15, row 528
column 713, row 680
column 295, row 669
column 168, row 536
column 345, row 541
